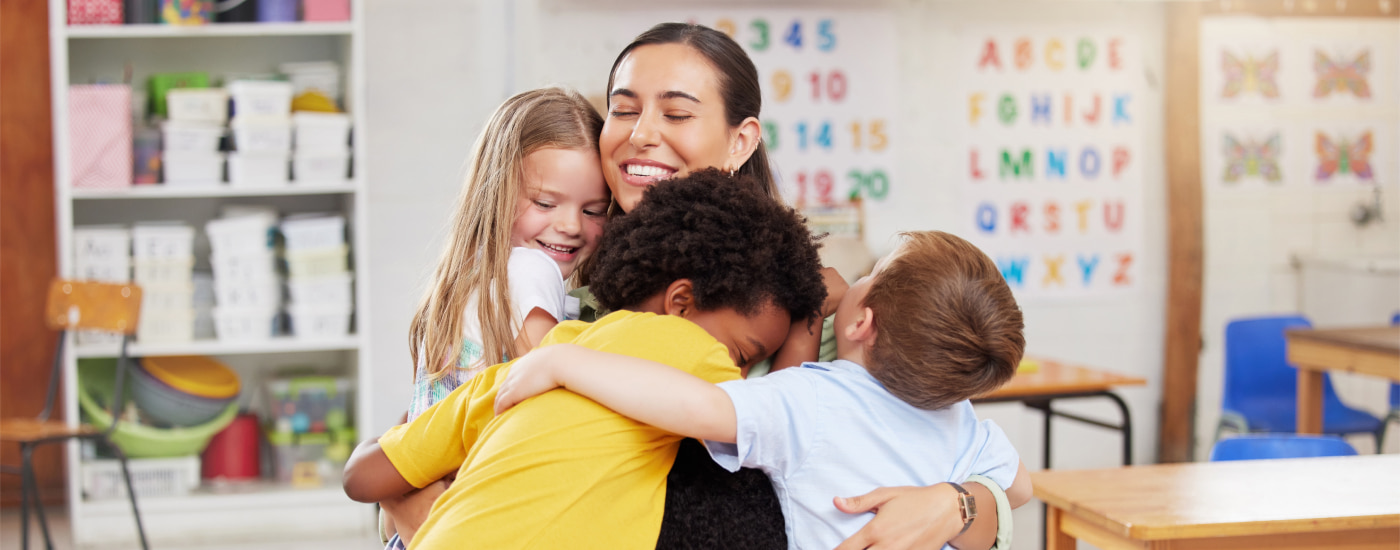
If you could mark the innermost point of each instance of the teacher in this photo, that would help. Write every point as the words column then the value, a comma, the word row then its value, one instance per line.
column 685, row 97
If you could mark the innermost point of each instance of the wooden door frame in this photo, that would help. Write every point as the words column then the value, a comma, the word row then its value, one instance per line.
column 1185, row 232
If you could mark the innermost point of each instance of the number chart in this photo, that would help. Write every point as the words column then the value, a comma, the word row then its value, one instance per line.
column 829, row 97
column 1053, row 172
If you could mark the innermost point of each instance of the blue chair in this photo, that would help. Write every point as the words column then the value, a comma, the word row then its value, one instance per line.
column 1261, row 388
column 1251, row 447
column 1394, row 389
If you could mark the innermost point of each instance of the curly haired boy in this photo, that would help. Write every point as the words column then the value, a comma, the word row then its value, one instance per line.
column 706, row 275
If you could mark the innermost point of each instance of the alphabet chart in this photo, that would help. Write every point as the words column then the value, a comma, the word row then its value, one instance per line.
column 1052, row 184
column 829, row 89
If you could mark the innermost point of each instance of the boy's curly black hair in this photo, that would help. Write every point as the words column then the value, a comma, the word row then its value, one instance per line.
column 736, row 245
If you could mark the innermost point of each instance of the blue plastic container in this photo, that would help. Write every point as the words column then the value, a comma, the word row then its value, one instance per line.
column 277, row 11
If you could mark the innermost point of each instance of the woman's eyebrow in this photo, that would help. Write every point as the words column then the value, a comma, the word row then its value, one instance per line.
column 677, row 94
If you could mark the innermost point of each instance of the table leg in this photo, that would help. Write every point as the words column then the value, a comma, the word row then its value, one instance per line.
column 1309, row 401
column 1055, row 539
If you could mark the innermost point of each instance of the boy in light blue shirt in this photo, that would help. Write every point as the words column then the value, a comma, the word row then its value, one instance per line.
column 933, row 325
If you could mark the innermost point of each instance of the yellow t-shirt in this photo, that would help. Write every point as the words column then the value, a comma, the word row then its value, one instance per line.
column 558, row 470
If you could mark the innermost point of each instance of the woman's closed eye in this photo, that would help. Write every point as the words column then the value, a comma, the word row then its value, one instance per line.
column 622, row 113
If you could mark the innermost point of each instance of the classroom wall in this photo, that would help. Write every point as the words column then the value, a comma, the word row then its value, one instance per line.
column 433, row 79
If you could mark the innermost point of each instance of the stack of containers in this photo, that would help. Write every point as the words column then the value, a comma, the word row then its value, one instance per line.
column 101, row 253
column 322, row 147
column 164, row 267
column 318, row 278
column 247, row 289
column 191, row 136
column 262, row 133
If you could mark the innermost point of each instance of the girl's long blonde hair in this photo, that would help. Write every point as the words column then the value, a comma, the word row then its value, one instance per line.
column 474, row 260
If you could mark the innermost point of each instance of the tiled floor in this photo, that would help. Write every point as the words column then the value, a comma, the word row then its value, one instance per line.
column 58, row 524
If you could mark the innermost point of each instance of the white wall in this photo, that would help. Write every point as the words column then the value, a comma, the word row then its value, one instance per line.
column 436, row 69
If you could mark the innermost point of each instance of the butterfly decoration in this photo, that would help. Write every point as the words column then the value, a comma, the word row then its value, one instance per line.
column 1252, row 158
column 1343, row 157
column 1250, row 75
column 1333, row 76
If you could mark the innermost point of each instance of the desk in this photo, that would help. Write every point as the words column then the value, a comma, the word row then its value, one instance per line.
column 1370, row 350
column 1337, row 502
column 1056, row 380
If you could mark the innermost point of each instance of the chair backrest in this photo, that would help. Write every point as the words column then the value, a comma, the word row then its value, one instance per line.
column 1250, row 447
column 113, row 307
column 1256, row 362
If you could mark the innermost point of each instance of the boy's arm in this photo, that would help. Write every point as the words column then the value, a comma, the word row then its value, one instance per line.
column 370, row 477
column 640, row 389
column 1020, row 491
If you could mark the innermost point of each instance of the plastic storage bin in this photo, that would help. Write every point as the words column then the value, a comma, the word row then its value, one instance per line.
column 330, row 290
column 244, row 325
column 258, row 169
column 261, row 134
column 150, row 477
column 303, row 264
column 321, row 131
column 261, row 98
column 165, row 326
column 102, row 253
column 326, row 10
column 167, row 297
column 191, row 168
column 265, row 294
column 309, row 404
column 191, row 137
column 187, row 12
column 321, row 166
column 310, row 231
column 162, row 241
column 160, row 85
column 310, row 322
column 208, row 105
column 245, row 267
column 164, row 271
column 318, row 76
column 240, row 235
column 276, row 11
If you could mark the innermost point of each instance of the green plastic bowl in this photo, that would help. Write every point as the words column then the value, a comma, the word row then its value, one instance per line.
column 97, row 383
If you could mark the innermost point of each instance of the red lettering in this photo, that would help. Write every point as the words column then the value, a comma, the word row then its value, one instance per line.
column 1113, row 215
column 1052, row 217
column 1120, row 277
column 1019, row 211
column 989, row 56
column 1023, row 53
column 1114, row 61
column 1093, row 116
column 1120, row 159
column 972, row 162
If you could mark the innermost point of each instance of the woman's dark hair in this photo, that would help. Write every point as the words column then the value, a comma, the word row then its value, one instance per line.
column 738, row 82
column 738, row 247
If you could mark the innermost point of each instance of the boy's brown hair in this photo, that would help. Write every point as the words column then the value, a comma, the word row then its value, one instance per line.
column 947, row 326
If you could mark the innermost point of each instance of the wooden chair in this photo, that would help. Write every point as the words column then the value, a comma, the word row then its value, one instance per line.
column 75, row 305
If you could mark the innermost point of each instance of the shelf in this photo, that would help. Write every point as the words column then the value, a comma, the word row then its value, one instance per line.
column 214, row 29
column 281, row 344
column 180, row 192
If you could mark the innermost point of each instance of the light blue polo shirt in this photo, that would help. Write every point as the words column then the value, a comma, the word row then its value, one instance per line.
column 830, row 429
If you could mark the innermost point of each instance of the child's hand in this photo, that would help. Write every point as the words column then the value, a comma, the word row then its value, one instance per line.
column 531, row 375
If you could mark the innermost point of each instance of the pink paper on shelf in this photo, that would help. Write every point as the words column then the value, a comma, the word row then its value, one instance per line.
column 99, row 127
column 94, row 12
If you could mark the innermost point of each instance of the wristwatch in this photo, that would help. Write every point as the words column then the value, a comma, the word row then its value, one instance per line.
column 966, row 505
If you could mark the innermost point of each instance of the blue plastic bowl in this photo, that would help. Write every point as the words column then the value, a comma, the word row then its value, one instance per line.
column 164, row 403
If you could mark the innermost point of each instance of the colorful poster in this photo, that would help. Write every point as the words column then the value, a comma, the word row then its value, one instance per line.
column 1052, row 186
column 829, row 88
column 1299, row 103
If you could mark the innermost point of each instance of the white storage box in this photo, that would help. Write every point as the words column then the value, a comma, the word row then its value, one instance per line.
column 164, row 271
column 257, row 169
column 197, row 105
column 113, row 272
column 314, row 322
column 156, row 299
column 265, row 294
column 303, row 264
column 241, row 325
column 190, row 137
column 261, row 98
column 331, row 290
column 192, row 168
column 162, row 241
column 98, row 338
column 246, row 267
column 166, row 326
column 239, row 235
column 150, row 477
column 321, row 131
column 321, row 166
column 262, row 134
column 101, row 244
column 321, row 76
column 308, row 231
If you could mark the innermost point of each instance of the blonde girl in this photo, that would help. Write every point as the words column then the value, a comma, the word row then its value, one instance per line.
column 530, row 212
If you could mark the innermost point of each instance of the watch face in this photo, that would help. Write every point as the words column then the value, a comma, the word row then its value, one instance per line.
column 969, row 506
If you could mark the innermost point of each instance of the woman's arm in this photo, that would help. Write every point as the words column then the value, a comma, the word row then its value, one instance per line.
column 922, row 517
column 643, row 390
column 1020, row 491
column 537, row 324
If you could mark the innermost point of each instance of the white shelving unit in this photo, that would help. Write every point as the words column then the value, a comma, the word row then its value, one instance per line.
column 262, row 511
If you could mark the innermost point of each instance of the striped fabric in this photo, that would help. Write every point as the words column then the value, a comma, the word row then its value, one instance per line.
column 99, row 126
column 94, row 12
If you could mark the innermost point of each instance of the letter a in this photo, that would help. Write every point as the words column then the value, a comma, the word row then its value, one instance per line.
column 989, row 56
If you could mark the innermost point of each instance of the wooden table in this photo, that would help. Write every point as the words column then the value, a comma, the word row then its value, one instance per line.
column 1339, row 502
column 1056, row 380
column 1368, row 350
